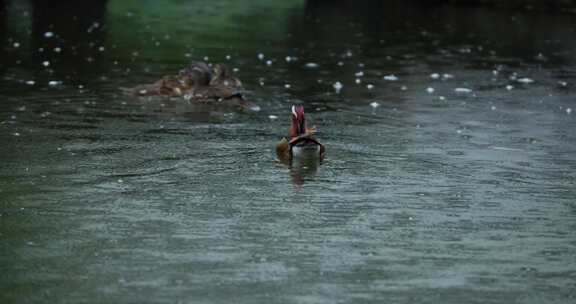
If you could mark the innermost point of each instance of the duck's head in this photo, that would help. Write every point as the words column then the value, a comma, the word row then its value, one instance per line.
column 222, row 71
column 197, row 74
column 298, row 121
column 223, row 76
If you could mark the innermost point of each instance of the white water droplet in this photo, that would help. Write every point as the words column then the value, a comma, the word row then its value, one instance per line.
column 49, row 34
column 435, row 76
column 430, row 90
column 391, row 78
column 311, row 65
column 30, row 82
column 509, row 87
column 370, row 86
column 569, row 111
column 16, row 45
column 359, row 74
column 287, row 86
column 273, row 117
column 358, row 81
column 261, row 56
column 269, row 62
column 462, row 90
column 525, row 80
column 337, row 86
column 46, row 63
column 374, row 104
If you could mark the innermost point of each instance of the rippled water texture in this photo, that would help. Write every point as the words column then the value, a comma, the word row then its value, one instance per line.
column 449, row 178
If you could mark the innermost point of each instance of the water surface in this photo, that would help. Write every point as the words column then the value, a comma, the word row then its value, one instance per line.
column 453, row 183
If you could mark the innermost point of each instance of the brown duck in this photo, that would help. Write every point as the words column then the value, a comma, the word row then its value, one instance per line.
column 198, row 83
column 300, row 142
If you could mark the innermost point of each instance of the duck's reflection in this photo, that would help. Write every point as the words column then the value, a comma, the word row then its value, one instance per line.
column 302, row 169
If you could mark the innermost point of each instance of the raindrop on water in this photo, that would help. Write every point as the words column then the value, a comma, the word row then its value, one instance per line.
column 525, row 80
column 337, row 86
column 391, row 78
column 462, row 90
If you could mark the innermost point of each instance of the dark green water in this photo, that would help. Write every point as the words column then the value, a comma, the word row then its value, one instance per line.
column 443, row 196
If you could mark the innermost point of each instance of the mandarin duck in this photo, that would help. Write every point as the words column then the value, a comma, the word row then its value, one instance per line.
column 300, row 142
column 198, row 83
